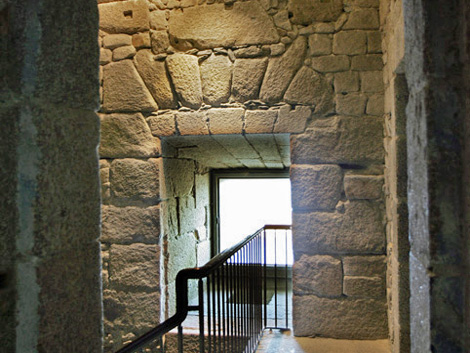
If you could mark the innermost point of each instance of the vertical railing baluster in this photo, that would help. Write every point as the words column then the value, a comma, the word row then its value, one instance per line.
column 180, row 339
column 201, row 315
column 265, row 281
column 222, row 295
column 275, row 278
column 287, row 281
column 209, row 340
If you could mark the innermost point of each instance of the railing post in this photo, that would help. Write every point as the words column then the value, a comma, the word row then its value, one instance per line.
column 201, row 315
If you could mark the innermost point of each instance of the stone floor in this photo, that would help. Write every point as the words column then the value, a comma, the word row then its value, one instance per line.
column 276, row 341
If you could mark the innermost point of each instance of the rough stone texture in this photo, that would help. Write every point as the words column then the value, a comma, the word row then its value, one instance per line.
column 351, row 104
column 122, row 53
column 225, row 121
column 260, row 121
column 216, row 75
column 364, row 287
column 141, row 40
column 126, row 135
column 364, row 265
column 306, row 12
column 321, row 275
column 340, row 140
column 124, row 16
column 345, row 82
column 112, row 41
column 292, row 120
column 330, row 63
column 319, row 44
column 333, row 233
column 156, row 79
column 134, row 180
column 134, row 265
column 344, row 319
column 162, row 124
column 310, row 88
column 315, row 187
column 369, row 62
column 158, row 20
column 182, row 254
column 350, row 43
column 215, row 26
column 363, row 19
column 124, row 90
column 247, row 77
column 126, row 225
column 375, row 105
column 359, row 187
column 192, row 123
column 281, row 70
column 178, row 177
column 159, row 41
column 184, row 72
column 372, row 81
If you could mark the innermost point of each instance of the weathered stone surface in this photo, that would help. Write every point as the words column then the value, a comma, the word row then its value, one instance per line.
column 141, row 40
column 315, row 233
column 281, row 70
column 181, row 254
column 345, row 82
column 216, row 76
column 319, row 44
column 124, row 89
column 277, row 49
column 178, row 177
column 316, row 187
column 281, row 20
column 215, row 26
column 125, row 225
column 319, row 274
column 375, row 105
column 340, row 140
column 124, row 16
column 225, row 121
column 292, row 120
column 135, row 180
column 159, row 41
column 158, row 20
column 364, row 287
column 307, row 11
column 351, row 104
column 162, row 124
column 374, row 42
column 350, row 42
column 106, row 56
column 330, row 63
column 369, row 266
column 370, row 62
column 184, row 72
column 247, row 77
column 362, row 229
column 260, row 121
column 134, row 265
column 359, row 187
column 311, row 88
column 126, row 135
column 252, row 51
column 112, row 41
column 363, row 19
column 156, row 79
column 372, row 81
column 340, row 318
column 192, row 123
column 125, row 52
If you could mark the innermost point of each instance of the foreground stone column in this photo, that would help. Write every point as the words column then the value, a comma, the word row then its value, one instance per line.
column 50, row 287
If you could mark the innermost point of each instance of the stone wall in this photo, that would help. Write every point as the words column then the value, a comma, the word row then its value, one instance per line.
column 311, row 69
column 396, row 96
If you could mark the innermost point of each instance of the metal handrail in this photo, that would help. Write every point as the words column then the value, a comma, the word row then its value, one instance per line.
column 182, row 304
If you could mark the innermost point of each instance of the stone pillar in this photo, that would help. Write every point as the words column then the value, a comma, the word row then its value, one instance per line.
column 50, row 286
column 437, row 187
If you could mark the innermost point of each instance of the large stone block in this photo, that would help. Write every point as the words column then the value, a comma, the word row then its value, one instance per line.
column 310, row 88
column 359, row 187
column 178, row 177
column 350, row 42
column 316, row 187
column 351, row 104
column 225, row 121
column 162, row 124
column 192, row 123
column 181, row 252
column 363, row 19
column 112, row 41
column 364, row 287
column 281, row 70
column 126, row 135
column 247, row 77
column 134, row 265
column 330, row 63
column 307, row 11
column 319, row 44
column 340, row 318
column 156, row 79
column 292, row 120
column 321, row 275
column 125, row 225
column 216, row 26
column 216, row 75
column 260, row 121
column 184, row 72
column 340, row 140
column 124, row 16
column 159, row 41
column 124, row 89
column 135, row 180
column 364, row 265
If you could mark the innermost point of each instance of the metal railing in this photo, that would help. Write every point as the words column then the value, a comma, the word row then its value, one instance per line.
column 233, row 296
